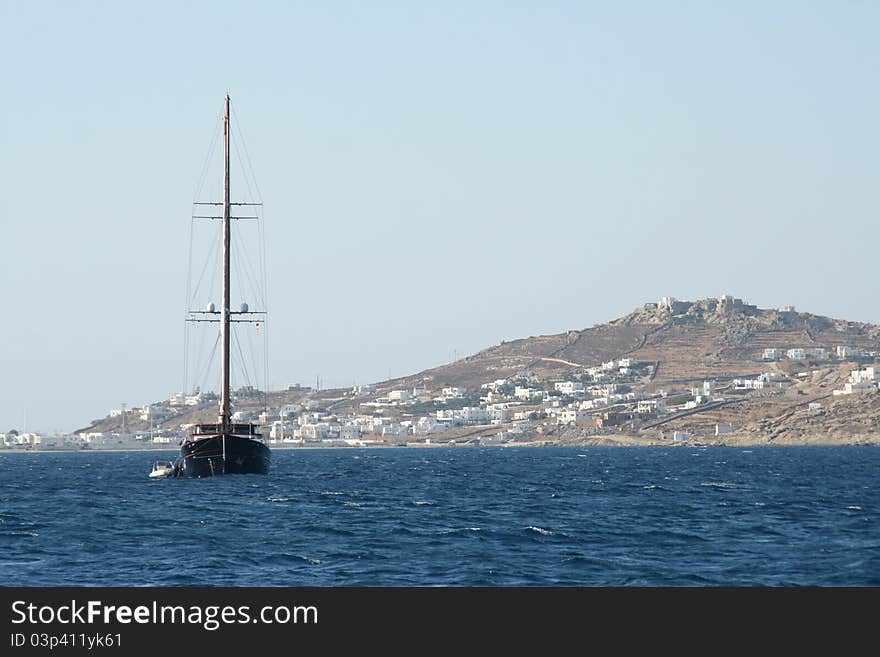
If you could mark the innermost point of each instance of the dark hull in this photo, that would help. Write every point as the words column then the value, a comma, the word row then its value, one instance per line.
column 203, row 456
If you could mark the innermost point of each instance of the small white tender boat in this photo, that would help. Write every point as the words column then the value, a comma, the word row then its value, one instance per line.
column 162, row 469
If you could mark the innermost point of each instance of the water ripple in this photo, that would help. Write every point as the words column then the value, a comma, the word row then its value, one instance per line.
column 449, row 517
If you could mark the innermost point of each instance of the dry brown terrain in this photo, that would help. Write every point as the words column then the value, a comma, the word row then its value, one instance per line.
column 682, row 346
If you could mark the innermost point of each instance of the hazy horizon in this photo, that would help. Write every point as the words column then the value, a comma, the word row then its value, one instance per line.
column 436, row 179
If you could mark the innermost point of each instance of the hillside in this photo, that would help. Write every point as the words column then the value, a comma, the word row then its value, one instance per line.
column 691, row 341
column 668, row 349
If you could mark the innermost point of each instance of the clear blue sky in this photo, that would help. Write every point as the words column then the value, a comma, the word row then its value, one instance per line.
column 436, row 178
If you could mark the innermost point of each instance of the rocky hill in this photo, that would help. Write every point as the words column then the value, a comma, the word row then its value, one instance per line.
column 688, row 341
column 673, row 346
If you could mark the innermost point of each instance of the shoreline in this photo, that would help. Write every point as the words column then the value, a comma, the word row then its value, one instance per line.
column 616, row 441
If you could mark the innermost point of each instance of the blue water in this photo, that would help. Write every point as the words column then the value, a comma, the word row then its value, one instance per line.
column 449, row 516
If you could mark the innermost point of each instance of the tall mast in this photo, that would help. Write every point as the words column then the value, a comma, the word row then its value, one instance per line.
column 224, row 322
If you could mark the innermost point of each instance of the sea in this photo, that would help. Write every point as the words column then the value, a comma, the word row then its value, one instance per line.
column 455, row 517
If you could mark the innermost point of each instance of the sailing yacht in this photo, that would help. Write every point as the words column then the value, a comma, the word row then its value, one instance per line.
column 224, row 447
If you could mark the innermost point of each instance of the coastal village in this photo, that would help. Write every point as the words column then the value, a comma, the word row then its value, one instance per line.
column 568, row 403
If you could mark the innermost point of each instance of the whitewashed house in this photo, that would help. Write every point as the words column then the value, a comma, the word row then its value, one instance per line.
column 425, row 426
column 498, row 413
column 157, row 413
column 281, row 430
column 454, row 392
column 572, row 416
column 524, row 393
column 650, row 406
column 473, row 415
column 570, row 388
column 178, row 399
column 447, row 417
column 350, row 432
column 318, row 431
column 862, row 386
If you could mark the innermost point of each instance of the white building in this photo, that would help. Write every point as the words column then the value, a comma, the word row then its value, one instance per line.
column 871, row 373
column 318, row 431
column 772, row 353
column 864, row 386
column 819, row 353
column 571, row 388
column 796, row 354
column 572, row 416
column 666, row 303
column 12, row 439
column 650, row 406
column 395, row 430
column 399, row 395
column 157, row 413
column 498, row 413
column 178, row 399
column 860, row 381
column 847, row 352
column 723, row 428
column 309, row 418
column 454, row 393
column 603, row 391
column 281, row 430
column 468, row 415
column 425, row 426
column 521, row 392
column 350, row 432
column 494, row 386
column 193, row 400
